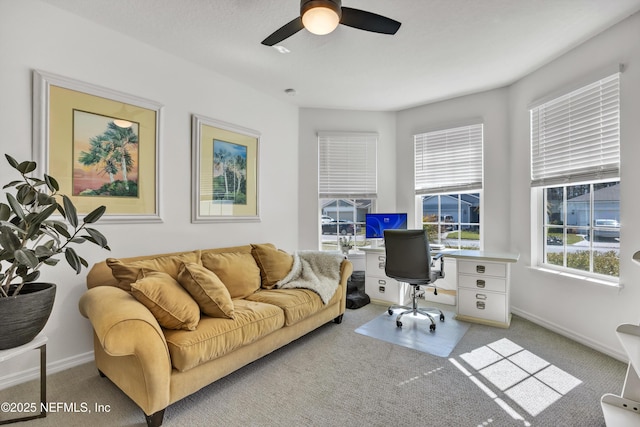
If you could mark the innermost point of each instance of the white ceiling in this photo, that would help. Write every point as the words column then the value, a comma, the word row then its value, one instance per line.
column 444, row 48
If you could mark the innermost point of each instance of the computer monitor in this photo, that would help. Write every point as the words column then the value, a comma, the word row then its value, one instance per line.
column 376, row 223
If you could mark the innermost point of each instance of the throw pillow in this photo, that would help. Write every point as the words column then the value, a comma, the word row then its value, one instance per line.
column 170, row 304
column 128, row 272
column 207, row 289
column 237, row 270
column 274, row 264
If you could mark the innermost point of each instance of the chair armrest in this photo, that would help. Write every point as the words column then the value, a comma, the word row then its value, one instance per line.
column 439, row 256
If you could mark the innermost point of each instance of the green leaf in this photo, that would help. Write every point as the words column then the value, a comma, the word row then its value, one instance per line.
column 26, row 257
column 71, row 213
column 43, row 251
column 45, row 199
column 15, row 206
column 51, row 261
column 72, row 258
column 97, row 237
column 8, row 239
column 78, row 240
column 62, row 229
column 27, row 166
column 12, row 184
column 95, row 215
column 51, row 183
column 12, row 161
column 44, row 214
column 5, row 212
column 31, row 277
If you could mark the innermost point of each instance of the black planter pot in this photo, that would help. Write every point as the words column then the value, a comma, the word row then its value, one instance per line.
column 22, row 317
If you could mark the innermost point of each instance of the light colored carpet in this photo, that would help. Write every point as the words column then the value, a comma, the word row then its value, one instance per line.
column 336, row 377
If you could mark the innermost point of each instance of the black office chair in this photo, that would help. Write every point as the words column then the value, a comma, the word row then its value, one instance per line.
column 408, row 260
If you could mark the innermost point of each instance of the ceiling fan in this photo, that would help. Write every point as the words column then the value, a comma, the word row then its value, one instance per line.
column 323, row 16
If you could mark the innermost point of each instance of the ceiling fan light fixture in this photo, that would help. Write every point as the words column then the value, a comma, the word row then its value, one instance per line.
column 321, row 16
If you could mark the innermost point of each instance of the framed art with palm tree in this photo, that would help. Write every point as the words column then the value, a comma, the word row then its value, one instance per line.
column 224, row 171
column 102, row 144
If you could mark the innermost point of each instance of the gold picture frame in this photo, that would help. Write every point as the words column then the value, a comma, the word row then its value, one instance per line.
column 102, row 146
column 224, row 181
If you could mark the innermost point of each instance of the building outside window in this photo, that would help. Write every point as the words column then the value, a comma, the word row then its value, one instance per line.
column 448, row 185
column 575, row 177
column 452, row 220
column 347, row 187
column 582, row 227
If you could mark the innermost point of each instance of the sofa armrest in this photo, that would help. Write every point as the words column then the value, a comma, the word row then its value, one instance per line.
column 125, row 327
column 346, row 268
column 122, row 324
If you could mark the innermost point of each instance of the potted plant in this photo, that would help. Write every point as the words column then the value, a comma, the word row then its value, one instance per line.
column 30, row 238
column 346, row 244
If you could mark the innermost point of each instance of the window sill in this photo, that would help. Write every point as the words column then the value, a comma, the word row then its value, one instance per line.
column 611, row 284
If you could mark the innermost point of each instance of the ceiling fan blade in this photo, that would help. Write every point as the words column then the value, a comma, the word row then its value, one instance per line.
column 284, row 32
column 368, row 21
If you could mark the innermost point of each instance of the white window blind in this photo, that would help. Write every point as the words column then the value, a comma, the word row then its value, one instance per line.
column 576, row 137
column 449, row 160
column 347, row 165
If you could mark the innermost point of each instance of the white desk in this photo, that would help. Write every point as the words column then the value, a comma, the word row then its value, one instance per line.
column 484, row 286
column 38, row 342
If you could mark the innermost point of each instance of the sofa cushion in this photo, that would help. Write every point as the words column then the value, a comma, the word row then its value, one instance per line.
column 207, row 289
column 237, row 270
column 297, row 304
column 216, row 337
column 170, row 304
column 274, row 264
column 128, row 272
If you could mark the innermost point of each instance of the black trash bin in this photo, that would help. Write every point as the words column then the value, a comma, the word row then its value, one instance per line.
column 356, row 296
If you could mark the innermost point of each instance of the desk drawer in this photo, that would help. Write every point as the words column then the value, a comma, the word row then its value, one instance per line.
column 386, row 289
column 482, row 268
column 483, row 305
column 478, row 282
column 375, row 264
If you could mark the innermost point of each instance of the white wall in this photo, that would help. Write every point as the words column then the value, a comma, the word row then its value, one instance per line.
column 34, row 35
column 587, row 312
column 313, row 120
column 489, row 108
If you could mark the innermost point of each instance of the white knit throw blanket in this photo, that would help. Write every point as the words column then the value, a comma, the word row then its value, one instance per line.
column 314, row 270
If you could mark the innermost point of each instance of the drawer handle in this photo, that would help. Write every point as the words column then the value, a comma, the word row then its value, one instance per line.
column 479, row 268
column 381, row 266
column 382, row 282
column 480, row 305
column 480, row 283
column 381, row 258
column 481, row 296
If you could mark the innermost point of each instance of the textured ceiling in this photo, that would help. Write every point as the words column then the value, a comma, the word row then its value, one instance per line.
column 444, row 48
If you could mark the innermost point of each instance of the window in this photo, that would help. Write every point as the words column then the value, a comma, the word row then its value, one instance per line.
column 347, row 186
column 448, row 183
column 575, row 173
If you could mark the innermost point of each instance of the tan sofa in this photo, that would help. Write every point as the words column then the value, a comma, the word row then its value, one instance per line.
column 149, row 341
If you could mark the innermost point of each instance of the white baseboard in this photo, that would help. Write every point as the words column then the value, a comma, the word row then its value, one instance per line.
column 571, row 335
column 53, row 367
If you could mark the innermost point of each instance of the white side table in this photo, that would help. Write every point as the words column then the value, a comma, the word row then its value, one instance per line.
column 38, row 342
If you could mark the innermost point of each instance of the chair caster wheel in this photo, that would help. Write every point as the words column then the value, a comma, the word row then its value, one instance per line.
column 398, row 324
column 390, row 312
column 432, row 327
column 442, row 317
